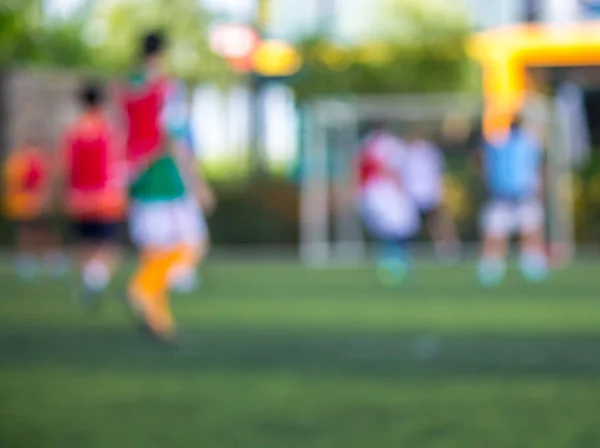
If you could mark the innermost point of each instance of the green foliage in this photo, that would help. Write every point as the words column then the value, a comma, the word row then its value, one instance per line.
column 17, row 30
column 27, row 40
column 105, row 37
column 416, row 50
column 115, row 28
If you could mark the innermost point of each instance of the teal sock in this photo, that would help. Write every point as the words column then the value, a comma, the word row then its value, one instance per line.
column 394, row 264
column 26, row 267
column 534, row 266
column 491, row 271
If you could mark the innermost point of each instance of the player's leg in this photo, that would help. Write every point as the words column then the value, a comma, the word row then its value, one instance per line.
column 157, row 234
column 533, row 260
column 185, row 276
column 497, row 223
column 55, row 259
column 394, row 261
column 392, row 218
column 94, row 257
column 26, row 263
column 442, row 229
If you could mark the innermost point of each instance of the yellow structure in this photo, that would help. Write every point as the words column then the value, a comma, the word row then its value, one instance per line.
column 505, row 55
column 275, row 58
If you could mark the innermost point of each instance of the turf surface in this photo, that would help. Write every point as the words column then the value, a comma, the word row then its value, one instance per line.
column 275, row 356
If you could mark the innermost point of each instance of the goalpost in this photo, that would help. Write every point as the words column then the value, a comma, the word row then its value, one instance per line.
column 331, row 231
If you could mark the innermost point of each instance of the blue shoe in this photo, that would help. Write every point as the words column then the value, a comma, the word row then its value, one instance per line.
column 394, row 265
column 534, row 268
column 491, row 272
column 393, row 271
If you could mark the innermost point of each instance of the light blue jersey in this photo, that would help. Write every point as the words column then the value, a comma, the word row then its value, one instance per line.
column 175, row 112
column 512, row 168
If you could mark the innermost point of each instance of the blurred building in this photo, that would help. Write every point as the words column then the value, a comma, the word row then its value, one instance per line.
column 354, row 19
column 496, row 13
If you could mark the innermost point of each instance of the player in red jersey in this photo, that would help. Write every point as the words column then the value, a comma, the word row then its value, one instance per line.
column 164, row 186
column 26, row 200
column 94, row 188
column 388, row 211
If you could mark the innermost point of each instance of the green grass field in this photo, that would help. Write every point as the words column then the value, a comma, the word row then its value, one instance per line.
column 275, row 356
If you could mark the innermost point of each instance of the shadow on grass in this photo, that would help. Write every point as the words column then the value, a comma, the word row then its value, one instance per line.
column 400, row 355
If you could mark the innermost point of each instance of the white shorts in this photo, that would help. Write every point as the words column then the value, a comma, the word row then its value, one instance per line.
column 167, row 223
column 502, row 218
column 388, row 211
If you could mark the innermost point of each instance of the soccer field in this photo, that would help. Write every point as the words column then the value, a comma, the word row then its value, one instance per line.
column 276, row 356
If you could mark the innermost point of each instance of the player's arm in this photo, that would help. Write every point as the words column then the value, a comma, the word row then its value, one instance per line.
column 177, row 124
column 193, row 176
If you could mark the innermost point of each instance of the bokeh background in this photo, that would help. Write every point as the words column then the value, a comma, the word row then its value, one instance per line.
column 275, row 353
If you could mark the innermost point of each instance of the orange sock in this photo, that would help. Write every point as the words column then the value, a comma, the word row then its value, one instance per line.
column 189, row 260
column 149, row 286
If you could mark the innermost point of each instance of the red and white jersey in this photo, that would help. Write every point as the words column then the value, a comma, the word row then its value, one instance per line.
column 386, row 206
column 381, row 159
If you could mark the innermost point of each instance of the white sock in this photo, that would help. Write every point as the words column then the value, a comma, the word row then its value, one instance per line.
column 96, row 276
column 183, row 279
column 534, row 263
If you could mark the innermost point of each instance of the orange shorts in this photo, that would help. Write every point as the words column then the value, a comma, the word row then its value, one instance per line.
column 22, row 206
column 98, row 206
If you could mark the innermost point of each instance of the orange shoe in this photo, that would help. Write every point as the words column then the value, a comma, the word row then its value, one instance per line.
column 160, row 321
column 154, row 317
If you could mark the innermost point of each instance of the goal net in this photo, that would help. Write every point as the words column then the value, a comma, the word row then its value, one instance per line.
column 331, row 230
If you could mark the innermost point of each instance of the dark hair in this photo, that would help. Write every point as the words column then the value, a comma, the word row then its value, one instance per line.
column 91, row 94
column 152, row 43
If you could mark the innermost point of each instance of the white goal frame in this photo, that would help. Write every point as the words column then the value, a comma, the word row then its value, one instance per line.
column 320, row 194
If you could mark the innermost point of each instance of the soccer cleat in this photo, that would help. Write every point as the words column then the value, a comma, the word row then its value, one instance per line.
column 534, row 267
column 153, row 319
column 393, row 271
column 393, row 266
column 491, row 272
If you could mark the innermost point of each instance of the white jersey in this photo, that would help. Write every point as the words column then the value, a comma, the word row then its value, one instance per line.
column 387, row 208
column 423, row 173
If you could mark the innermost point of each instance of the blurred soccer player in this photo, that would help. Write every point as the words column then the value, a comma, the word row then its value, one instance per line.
column 389, row 212
column 424, row 180
column 513, row 173
column 27, row 196
column 163, row 187
column 93, row 179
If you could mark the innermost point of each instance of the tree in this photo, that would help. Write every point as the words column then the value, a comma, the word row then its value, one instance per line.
column 27, row 39
column 418, row 48
column 17, row 29
column 115, row 27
